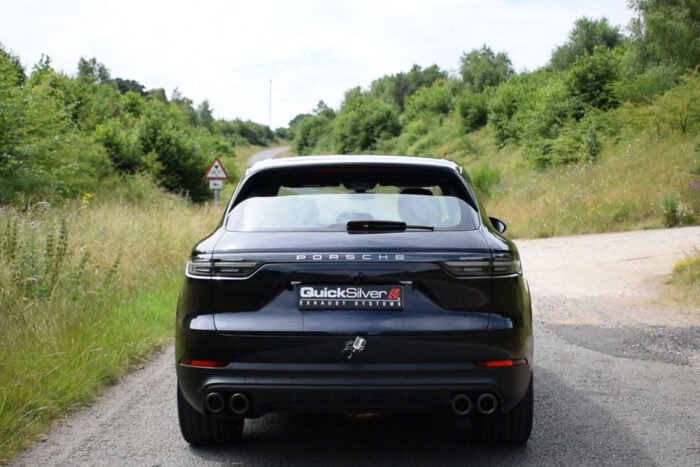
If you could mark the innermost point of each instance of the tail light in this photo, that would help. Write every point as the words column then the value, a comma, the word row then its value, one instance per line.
column 501, row 264
column 470, row 266
column 217, row 269
column 505, row 262
column 204, row 363
column 500, row 363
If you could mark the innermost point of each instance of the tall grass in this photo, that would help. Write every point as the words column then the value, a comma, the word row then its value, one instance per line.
column 86, row 290
column 686, row 276
column 638, row 181
column 627, row 188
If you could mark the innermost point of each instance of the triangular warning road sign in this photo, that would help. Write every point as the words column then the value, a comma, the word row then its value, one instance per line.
column 216, row 171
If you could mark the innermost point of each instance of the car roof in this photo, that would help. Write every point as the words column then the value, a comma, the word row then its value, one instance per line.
column 300, row 161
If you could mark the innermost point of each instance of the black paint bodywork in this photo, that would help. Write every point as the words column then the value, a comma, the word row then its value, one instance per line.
column 415, row 359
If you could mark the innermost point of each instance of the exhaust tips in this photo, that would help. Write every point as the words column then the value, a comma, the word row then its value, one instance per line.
column 487, row 403
column 214, row 402
column 239, row 403
column 461, row 404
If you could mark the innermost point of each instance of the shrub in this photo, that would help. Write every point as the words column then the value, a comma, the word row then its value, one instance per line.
column 310, row 130
column 675, row 212
column 642, row 88
column 591, row 79
column 175, row 161
column 472, row 110
column 502, row 108
column 121, row 144
column 362, row 122
column 484, row 178
column 434, row 101
column 688, row 269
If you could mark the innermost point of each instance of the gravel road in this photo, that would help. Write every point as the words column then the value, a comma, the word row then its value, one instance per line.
column 617, row 378
column 268, row 154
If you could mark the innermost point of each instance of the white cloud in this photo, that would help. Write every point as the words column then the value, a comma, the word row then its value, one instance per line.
column 227, row 51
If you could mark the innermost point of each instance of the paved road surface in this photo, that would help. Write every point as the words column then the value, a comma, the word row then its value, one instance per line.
column 268, row 154
column 617, row 378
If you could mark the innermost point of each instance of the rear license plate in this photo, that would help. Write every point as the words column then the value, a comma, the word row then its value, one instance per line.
column 350, row 297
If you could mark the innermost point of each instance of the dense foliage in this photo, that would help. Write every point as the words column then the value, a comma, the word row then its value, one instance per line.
column 559, row 114
column 63, row 136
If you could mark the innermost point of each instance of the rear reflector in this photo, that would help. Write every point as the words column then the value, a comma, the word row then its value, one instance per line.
column 204, row 363
column 499, row 363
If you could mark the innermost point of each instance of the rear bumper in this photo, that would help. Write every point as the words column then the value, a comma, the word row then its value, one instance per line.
column 353, row 387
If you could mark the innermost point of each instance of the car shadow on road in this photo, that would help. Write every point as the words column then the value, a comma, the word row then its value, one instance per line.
column 569, row 429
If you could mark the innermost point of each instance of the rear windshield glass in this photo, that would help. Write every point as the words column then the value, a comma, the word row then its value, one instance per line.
column 314, row 212
column 327, row 198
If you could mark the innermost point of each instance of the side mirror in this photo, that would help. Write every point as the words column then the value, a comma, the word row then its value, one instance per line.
column 498, row 224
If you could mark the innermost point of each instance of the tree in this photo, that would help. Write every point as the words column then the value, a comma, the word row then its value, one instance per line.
column 481, row 68
column 433, row 101
column 296, row 120
column 157, row 94
column 396, row 89
column 320, row 107
column 205, row 115
column 472, row 110
column 505, row 103
column 667, row 32
column 185, row 105
column 171, row 152
column 42, row 153
column 11, row 111
column 12, row 64
column 363, row 121
column 122, row 145
column 283, row 133
column 92, row 71
column 133, row 104
column 309, row 130
column 591, row 79
column 586, row 35
column 126, row 85
column 238, row 132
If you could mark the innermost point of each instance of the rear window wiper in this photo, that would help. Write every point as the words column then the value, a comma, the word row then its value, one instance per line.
column 383, row 226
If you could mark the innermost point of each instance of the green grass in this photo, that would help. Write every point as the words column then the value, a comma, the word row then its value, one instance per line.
column 686, row 280
column 86, row 291
column 46, row 374
column 628, row 188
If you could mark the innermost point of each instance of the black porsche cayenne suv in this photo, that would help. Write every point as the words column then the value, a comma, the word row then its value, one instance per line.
column 354, row 284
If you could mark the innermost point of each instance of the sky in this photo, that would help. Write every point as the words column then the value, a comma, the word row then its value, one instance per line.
column 311, row 50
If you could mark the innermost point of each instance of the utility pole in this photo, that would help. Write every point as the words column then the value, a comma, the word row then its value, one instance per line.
column 269, row 109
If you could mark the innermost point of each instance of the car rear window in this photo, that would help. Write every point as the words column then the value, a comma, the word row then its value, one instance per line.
column 327, row 198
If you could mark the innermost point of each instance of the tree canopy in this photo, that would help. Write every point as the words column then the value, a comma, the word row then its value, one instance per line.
column 586, row 35
column 481, row 68
column 61, row 136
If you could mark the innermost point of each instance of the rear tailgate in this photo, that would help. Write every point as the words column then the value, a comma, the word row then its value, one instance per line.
column 270, row 316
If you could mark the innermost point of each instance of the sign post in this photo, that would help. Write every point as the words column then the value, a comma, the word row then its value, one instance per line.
column 216, row 174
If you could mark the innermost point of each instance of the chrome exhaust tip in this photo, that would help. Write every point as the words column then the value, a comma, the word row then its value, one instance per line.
column 487, row 403
column 239, row 403
column 214, row 402
column 461, row 404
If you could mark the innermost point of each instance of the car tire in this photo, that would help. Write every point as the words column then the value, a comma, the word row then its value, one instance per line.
column 509, row 429
column 207, row 430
